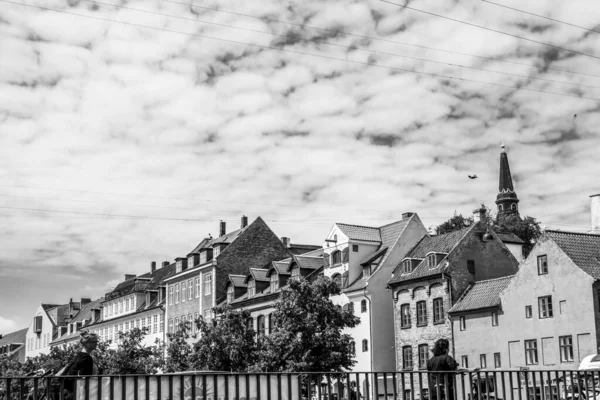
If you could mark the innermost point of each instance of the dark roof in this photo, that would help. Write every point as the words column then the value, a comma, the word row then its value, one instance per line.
column 14, row 337
column 428, row 244
column 238, row 280
column 259, row 274
column 49, row 306
column 309, row 262
column 505, row 181
column 582, row 248
column 280, row 267
column 482, row 294
column 509, row 237
column 159, row 275
column 150, row 281
column 359, row 232
column 302, row 248
column 86, row 311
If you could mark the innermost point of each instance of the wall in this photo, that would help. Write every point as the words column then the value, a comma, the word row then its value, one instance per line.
column 382, row 305
column 108, row 330
column 516, row 250
column 39, row 343
column 185, row 306
column 564, row 282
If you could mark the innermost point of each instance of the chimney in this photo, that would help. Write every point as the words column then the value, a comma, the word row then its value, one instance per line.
column 166, row 264
column 153, row 267
column 244, row 221
column 286, row 241
column 85, row 300
column 595, row 209
column 479, row 214
column 129, row 276
column 222, row 228
column 407, row 215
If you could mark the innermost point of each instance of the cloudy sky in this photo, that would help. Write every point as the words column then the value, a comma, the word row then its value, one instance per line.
column 128, row 129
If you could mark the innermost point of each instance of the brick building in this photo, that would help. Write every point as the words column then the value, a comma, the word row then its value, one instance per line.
column 13, row 344
column 208, row 266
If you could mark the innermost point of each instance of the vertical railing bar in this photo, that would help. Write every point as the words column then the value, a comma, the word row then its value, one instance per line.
column 420, row 385
column 368, row 386
column 123, row 386
column 503, row 385
column 21, row 390
column 237, row 386
column 542, row 386
column 527, row 385
column 278, row 387
column 487, row 384
column 403, row 380
column 135, row 387
column 520, row 385
column 268, row 387
column 385, row 388
column 550, row 394
column 158, row 387
column 395, row 383
column 299, row 388
column 446, row 376
column 257, row 386
column 112, row 387
column 147, row 391
column 193, row 384
column 512, row 385
column 319, row 377
column 99, row 379
column 227, row 379
column 585, row 383
column 248, row 386
column 462, row 385
column 376, row 385
column 86, row 383
column 289, row 384
column 170, row 387
column 215, row 387
column 348, row 386
column 181, row 386
column 8, row 388
column 35, row 388
column 204, row 386
column 471, row 386
column 572, row 389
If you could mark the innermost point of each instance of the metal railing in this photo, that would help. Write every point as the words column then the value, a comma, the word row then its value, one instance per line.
column 404, row 385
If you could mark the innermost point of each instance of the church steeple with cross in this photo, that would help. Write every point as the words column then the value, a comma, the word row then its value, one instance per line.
column 506, row 200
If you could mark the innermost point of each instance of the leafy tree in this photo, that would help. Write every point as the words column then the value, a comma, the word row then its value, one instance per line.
column 527, row 229
column 132, row 357
column 179, row 351
column 226, row 343
column 457, row 222
column 307, row 331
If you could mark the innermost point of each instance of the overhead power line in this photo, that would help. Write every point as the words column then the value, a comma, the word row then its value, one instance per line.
column 541, row 16
column 375, row 38
column 370, row 64
column 350, row 48
column 492, row 30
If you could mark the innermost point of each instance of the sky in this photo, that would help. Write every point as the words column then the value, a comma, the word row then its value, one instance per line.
column 129, row 129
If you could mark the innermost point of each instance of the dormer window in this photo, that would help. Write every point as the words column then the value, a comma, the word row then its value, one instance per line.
column 216, row 251
column 178, row 266
column 296, row 273
column 366, row 271
column 190, row 261
column 251, row 288
column 274, row 282
column 203, row 256
column 230, row 293
column 407, row 266
column 336, row 258
column 431, row 260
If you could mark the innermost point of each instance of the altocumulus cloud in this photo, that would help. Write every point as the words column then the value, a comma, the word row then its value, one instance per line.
column 108, row 118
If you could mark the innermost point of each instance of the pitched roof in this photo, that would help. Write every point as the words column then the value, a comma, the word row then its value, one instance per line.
column 49, row 306
column 509, row 237
column 302, row 248
column 372, row 257
column 359, row 232
column 482, row 294
column 358, row 284
column 439, row 244
column 582, row 248
column 309, row 262
column 280, row 267
column 237, row 280
column 86, row 311
column 14, row 337
column 259, row 274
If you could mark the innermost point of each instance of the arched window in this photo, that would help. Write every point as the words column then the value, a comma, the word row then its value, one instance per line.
column 365, row 345
column 261, row 325
column 336, row 258
column 407, row 266
column 363, row 306
column 351, row 307
column 513, row 207
column 500, row 207
column 250, row 323
column 431, row 260
column 337, row 279
column 352, row 347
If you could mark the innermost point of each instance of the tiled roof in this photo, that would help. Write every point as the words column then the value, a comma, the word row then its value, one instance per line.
column 439, row 244
column 238, row 280
column 309, row 262
column 209, row 242
column 259, row 274
column 160, row 275
column 582, row 248
column 86, row 311
column 280, row 267
column 391, row 232
column 14, row 337
column 509, row 237
column 49, row 306
column 482, row 294
column 358, row 232
column 302, row 248
column 358, row 284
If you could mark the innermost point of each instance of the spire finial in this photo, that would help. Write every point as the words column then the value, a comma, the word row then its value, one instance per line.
column 502, row 145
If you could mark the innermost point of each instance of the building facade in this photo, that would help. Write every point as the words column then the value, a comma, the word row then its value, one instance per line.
column 70, row 333
column 13, row 345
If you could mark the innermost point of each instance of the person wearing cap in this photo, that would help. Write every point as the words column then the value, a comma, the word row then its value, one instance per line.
column 83, row 365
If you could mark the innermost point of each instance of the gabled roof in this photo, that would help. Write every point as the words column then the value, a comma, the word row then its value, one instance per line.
column 14, row 337
column 359, row 232
column 582, row 248
column 438, row 244
column 86, row 311
column 47, row 307
column 509, row 237
column 308, row 262
column 281, row 267
column 258, row 274
column 237, row 280
column 302, row 248
column 482, row 294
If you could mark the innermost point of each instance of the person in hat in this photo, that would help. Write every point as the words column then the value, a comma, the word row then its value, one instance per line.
column 83, row 365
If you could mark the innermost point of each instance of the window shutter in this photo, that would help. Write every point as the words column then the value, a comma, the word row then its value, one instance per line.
column 345, row 279
column 37, row 324
column 345, row 255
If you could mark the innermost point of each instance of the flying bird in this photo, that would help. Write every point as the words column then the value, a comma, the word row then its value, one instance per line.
column 472, row 176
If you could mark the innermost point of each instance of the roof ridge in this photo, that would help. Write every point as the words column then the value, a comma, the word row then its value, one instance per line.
column 358, row 226
column 574, row 233
column 391, row 223
column 495, row 279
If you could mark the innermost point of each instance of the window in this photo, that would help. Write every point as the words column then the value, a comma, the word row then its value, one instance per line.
column 465, row 361
column 563, row 306
column 120, row 306
column 545, row 306
column 351, row 307
column 355, row 248
column 471, row 267
column 137, row 323
column 183, row 290
column 365, row 345
column 423, row 356
column 143, row 322
column 363, row 306
column 463, row 323
column 566, row 348
column 197, row 287
column 438, row 310
column 161, row 327
column 249, row 323
column 207, row 284
column 431, row 260
column 345, row 255
column 421, row 313
column 407, row 266
column 155, row 323
column 542, row 262
column 482, row 361
column 336, row 258
column 513, row 207
column 497, row 362
column 207, row 315
column 352, row 347
column 495, row 318
column 366, row 271
column 274, row 281
column 127, row 305
column 531, row 354
column 230, row 293
column 295, row 273
column 177, row 293
column 527, row 311
column 407, row 358
column 176, row 322
column 337, row 279
column 261, row 325
column 251, row 288
column 190, row 290
column 405, row 316
column 194, row 326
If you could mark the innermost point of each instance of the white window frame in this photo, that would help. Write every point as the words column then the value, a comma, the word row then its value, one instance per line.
column 197, row 281
column 183, row 291
column 252, row 288
column 274, row 282
column 545, row 307
column 230, row 293
column 190, row 289
column 207, row 279
column 177, row 293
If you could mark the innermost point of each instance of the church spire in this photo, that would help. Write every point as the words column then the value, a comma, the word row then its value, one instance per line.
column 507, row 199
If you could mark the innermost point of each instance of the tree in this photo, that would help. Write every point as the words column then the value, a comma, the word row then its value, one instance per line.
column 226, row 342
column 457, row 222
column 307, row 331
column 527, row 229
column 179, row 352
column 132, row 357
